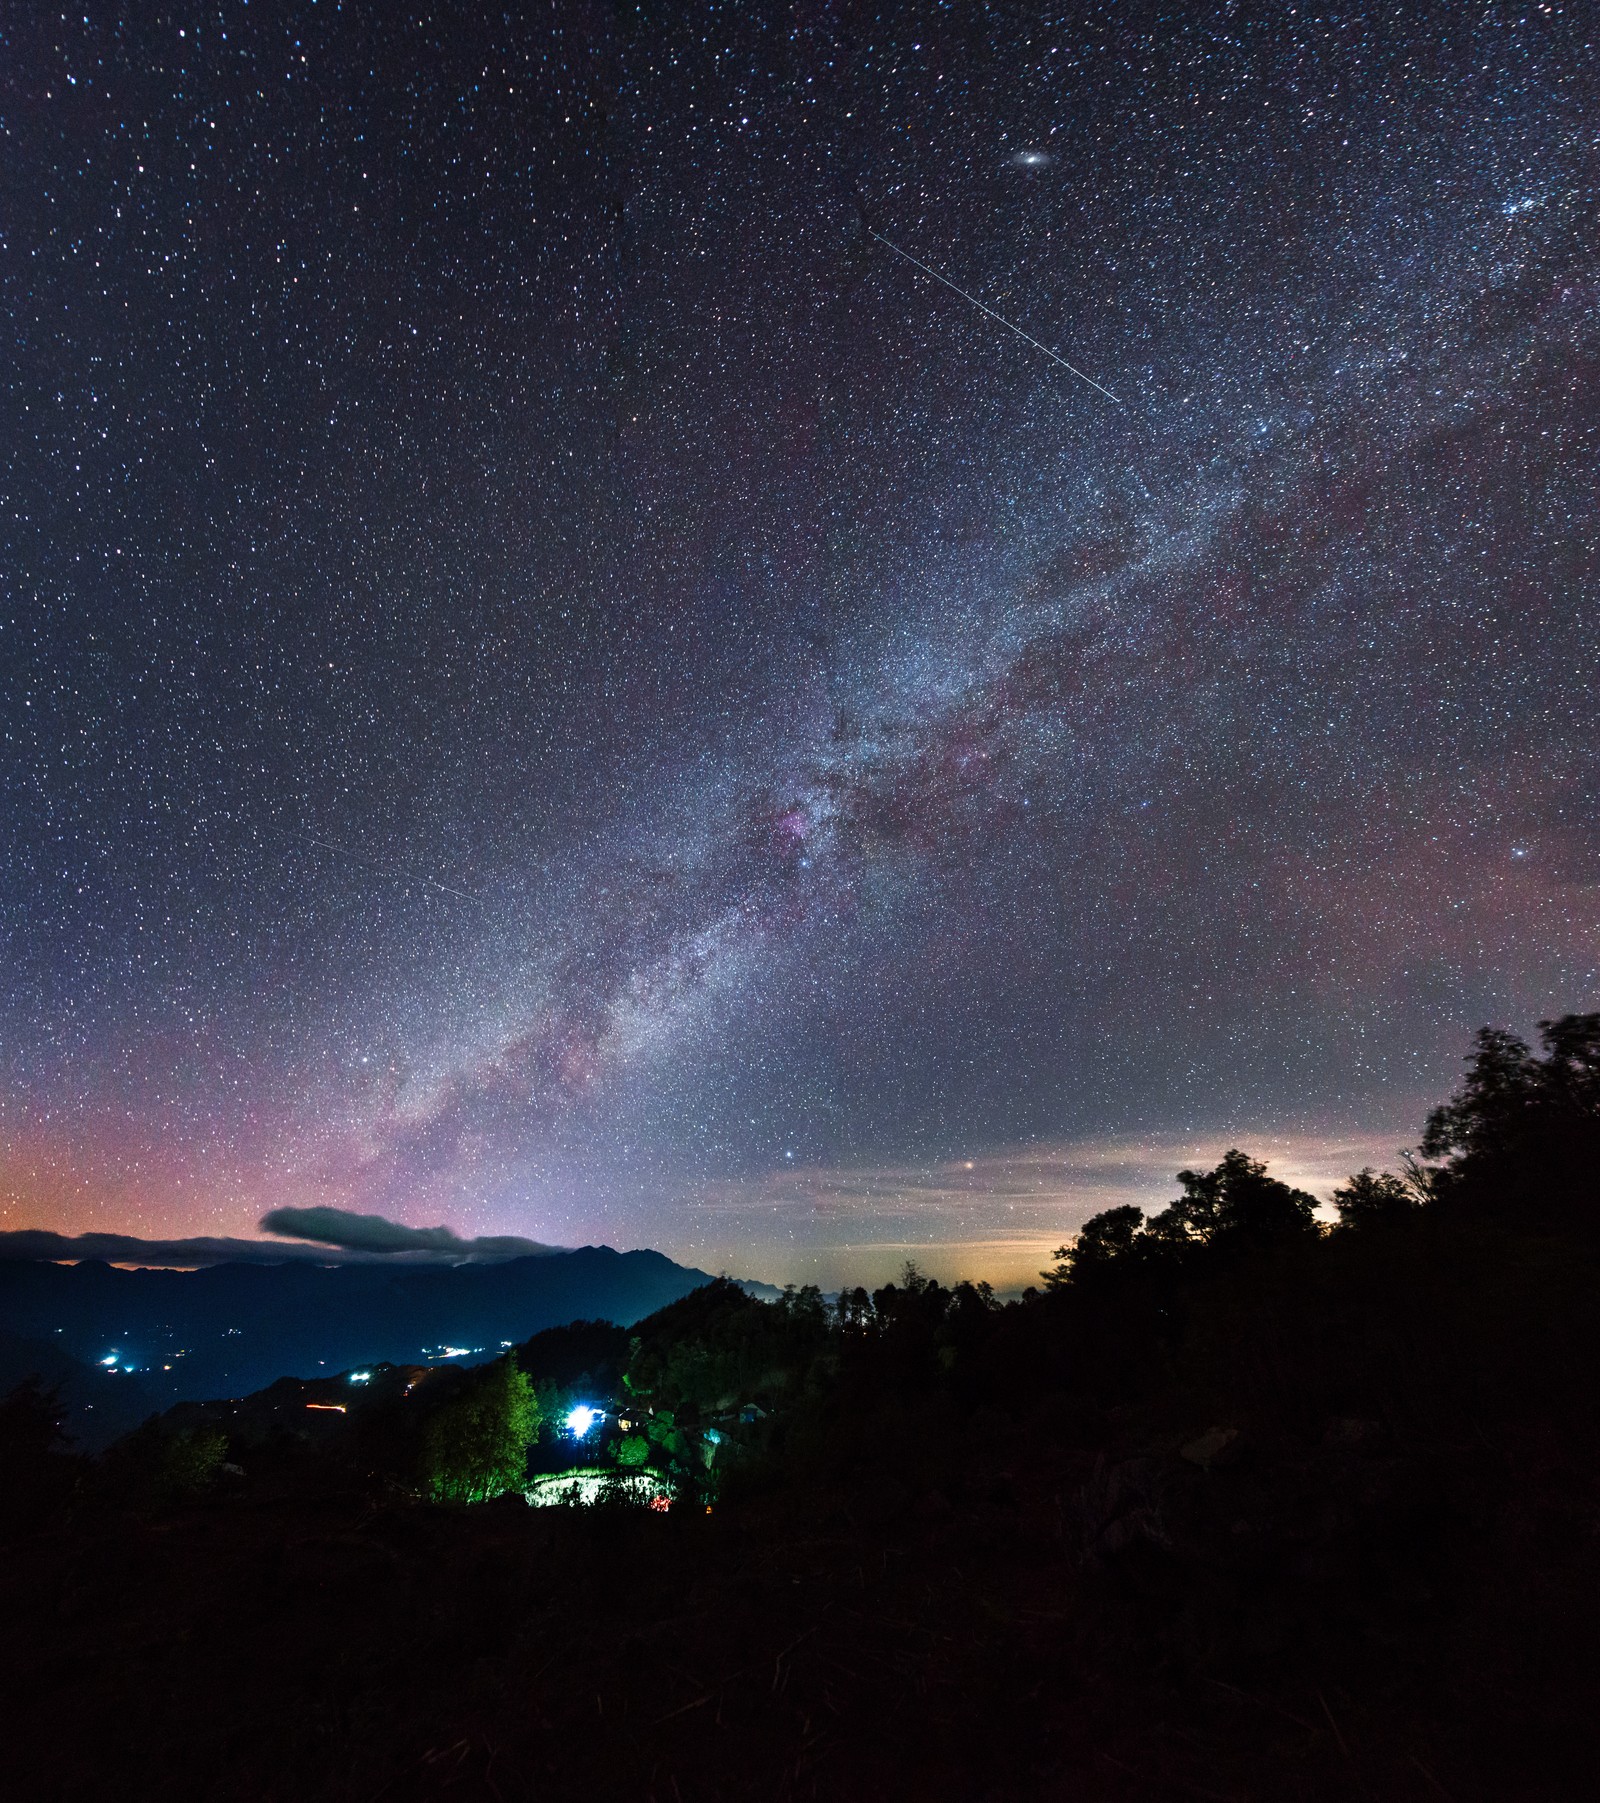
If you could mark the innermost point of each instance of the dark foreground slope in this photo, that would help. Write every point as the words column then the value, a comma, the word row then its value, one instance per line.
column 231, row 1329
column 1336, row 1538
column 1236, row 1508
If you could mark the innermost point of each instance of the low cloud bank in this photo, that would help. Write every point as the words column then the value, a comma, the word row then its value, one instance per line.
column 316, row 1236
column 352, row 1232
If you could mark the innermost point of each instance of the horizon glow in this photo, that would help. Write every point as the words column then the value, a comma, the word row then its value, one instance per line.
column 623, row 720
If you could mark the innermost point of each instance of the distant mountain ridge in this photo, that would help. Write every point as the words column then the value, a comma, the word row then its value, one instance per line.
column 229, row 1329
column 430, row 1245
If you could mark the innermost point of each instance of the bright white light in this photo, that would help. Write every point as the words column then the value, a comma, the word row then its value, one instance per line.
column 581, row 1419
column 361, row 1377
column 110, row 1361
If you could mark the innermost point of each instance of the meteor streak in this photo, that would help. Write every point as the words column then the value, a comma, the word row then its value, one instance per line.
column 997, row 317
column 412, row 876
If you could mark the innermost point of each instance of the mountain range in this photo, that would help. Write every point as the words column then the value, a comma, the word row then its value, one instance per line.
column 154, row 1337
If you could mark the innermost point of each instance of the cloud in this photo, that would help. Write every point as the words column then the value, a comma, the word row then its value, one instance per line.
column 351, row 1232
column 330, row 1236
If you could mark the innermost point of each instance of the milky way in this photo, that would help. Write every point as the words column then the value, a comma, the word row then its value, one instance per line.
column 553, row 683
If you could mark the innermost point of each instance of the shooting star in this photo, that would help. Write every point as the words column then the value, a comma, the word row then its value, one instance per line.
column 350, row 857
column 999, row 318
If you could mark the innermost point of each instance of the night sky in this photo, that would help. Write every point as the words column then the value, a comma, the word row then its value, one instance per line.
column 551, row 682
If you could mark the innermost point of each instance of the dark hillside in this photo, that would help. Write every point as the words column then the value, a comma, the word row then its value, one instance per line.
column 230, row 1329
column 1232, row 1507
column 1334, row 1547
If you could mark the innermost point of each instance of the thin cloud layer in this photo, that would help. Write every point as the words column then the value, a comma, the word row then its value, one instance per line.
column 39, row 1245
column 996, row 1215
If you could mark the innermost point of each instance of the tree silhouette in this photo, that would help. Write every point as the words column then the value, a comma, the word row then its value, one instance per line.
column 1236, row 1203
column 1236, row 1206
column 1371, row 1196
column 1523, row 1131
column 854, row 1308
column 1101, row 1241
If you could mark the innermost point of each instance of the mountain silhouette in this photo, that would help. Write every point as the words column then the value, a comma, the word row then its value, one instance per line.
column 231, row 1329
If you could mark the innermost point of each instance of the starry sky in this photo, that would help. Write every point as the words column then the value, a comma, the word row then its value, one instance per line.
column 553, row 682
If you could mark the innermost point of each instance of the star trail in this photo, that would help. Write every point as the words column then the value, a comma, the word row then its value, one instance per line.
column 550, row 683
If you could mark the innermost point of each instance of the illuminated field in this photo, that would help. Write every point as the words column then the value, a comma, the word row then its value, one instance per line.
column 582, row 1489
